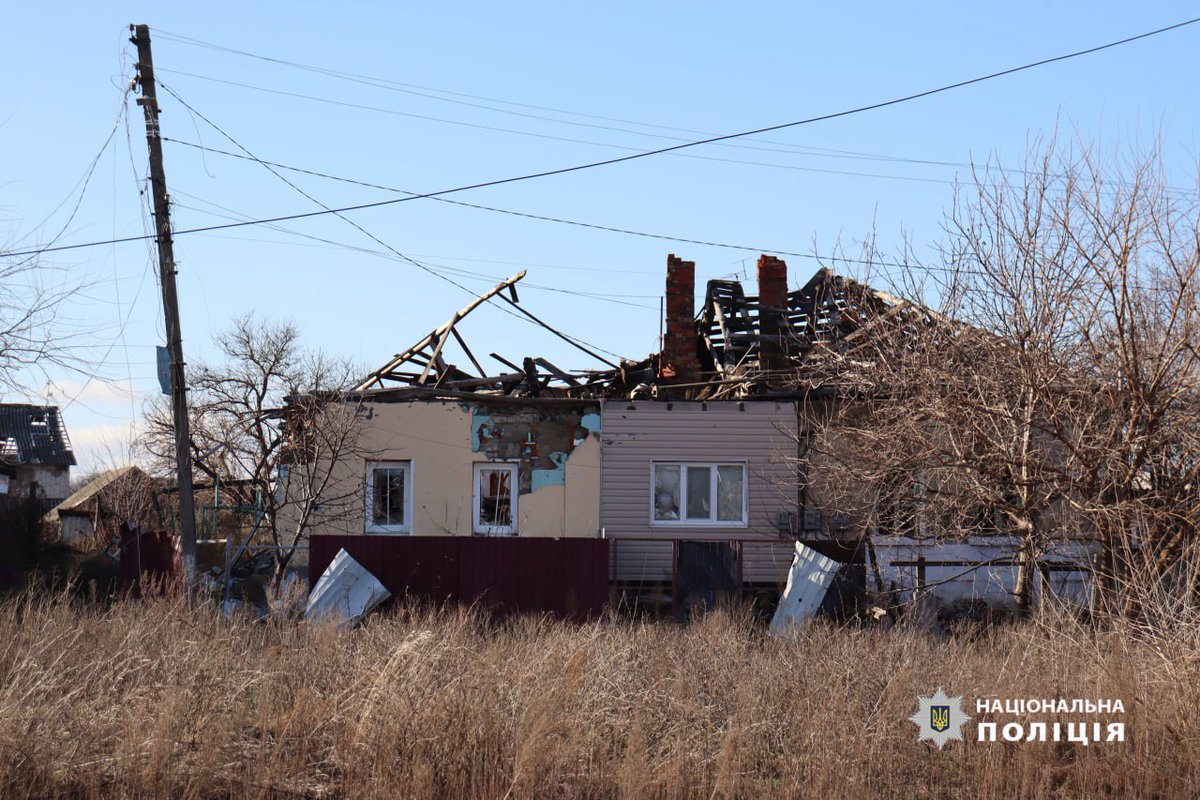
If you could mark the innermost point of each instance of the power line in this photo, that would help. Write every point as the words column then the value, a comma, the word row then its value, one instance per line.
column 552, row 137
column 464, row 273
column 360, row 228
column 819, row 258
column 659, row 151
column 611, row 145
column 408, row 88
column 423, row 91
column 82, row 184
column 524, row 214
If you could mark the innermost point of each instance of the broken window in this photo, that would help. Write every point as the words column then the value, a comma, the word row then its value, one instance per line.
column 666, row 492
column 701, row 494
column 496, row 499
column 389, row 497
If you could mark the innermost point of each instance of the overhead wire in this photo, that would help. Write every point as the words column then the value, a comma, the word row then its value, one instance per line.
column 527, row 215
column 231, row 214
column 123, row 323
column 819, row 258
column 81, row 186
column 430, row 270
column 658, row 151
column 424, row 91
column 552, row 137
column 743, row 162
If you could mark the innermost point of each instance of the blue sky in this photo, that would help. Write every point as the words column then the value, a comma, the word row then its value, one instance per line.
column 481, row 91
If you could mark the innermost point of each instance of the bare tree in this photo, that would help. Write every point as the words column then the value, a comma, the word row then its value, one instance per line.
column 34, row 333
column 1041, row 384
column 270, row 423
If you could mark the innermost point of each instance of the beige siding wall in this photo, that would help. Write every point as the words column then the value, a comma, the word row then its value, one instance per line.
column 440, row 440
column 53, row 482
column 634, row 434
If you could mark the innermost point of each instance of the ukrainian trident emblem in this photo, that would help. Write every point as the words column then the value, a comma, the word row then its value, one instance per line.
column 939, row 718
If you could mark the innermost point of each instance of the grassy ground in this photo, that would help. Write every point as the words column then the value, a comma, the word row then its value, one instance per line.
column 158, row 701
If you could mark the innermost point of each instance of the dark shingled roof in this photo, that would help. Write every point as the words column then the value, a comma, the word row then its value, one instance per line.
column 32, row 434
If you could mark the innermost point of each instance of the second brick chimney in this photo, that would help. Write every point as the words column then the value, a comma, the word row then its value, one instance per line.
column 772, row 314
column 680, row 364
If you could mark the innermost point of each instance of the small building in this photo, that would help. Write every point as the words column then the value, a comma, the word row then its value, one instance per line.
column 93, row 514
column 35, row 453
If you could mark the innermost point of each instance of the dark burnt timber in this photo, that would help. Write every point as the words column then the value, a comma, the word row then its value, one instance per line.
column 771, row 345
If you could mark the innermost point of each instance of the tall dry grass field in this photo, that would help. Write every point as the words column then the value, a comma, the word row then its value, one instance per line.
column 155, row 700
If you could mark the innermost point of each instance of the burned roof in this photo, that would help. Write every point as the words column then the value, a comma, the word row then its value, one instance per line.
column 31, row 434
column 740, row 333
column 737, row 346
column 425, row 366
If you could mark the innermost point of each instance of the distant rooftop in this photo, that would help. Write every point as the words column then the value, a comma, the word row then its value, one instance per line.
column 31, row 434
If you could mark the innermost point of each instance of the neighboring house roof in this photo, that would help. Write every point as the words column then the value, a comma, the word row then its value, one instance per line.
column 75, row 503
column 31, row 434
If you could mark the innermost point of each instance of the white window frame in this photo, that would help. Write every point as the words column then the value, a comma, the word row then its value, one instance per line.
column 712, row 466
column 406, row 526
column 513, row 468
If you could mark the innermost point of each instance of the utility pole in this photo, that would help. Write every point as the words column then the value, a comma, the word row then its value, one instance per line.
column 166, row 271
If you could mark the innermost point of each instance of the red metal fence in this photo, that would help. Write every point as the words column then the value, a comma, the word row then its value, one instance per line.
column 567, row 577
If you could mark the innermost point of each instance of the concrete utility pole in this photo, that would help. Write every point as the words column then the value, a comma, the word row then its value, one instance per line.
column 166, row 270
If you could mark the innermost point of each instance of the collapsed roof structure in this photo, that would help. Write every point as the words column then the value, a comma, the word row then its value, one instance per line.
column 33, row 434
column 738, row 345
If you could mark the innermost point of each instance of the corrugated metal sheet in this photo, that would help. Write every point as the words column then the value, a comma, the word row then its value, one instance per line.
column 346, row 591
column 634, row 434
column 567, row 577
column 808, row 580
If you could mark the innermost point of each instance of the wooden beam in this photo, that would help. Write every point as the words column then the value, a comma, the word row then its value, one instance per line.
column 435, row 358
column 541, row 362
column 507, row 363
column 400, row 358
column 474, row 383
column 463, row 344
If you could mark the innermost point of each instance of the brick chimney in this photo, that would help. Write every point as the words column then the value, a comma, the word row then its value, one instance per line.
column 679, row 363
column 772, row 314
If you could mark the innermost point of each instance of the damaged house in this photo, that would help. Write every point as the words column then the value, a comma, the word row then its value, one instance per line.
column 35, row 453
column 690, row 467
column 443, row 452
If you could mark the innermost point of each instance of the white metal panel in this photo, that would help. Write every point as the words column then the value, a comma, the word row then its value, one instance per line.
column 808, row 581
column 346, row 591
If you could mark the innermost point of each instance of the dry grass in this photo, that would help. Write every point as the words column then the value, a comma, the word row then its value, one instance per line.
column 155, row 700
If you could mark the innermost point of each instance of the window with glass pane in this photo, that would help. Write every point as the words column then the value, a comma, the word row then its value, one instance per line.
column 731, row 492
column 699, row 480
column 388, row 497
column 704, row 494
column 495, row 487
column 666, row 492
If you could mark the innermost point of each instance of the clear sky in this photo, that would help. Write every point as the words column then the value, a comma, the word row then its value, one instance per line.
column 459, row 93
